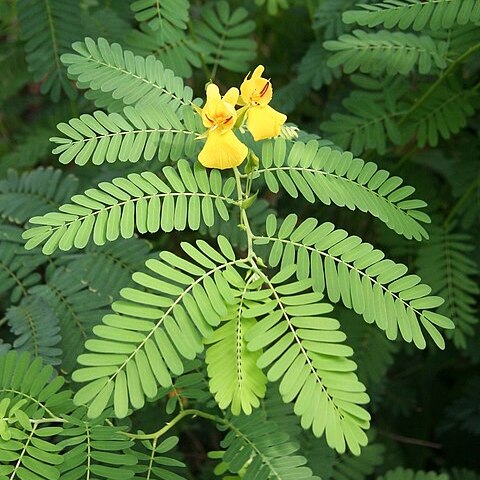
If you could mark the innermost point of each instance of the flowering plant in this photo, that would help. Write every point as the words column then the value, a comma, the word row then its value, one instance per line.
column 223, row 149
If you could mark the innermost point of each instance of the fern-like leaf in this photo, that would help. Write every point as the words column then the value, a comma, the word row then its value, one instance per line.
column 369, row 124
column 328, row 17
column 235, row 378
column 153, row 463
column 34, row 193
column 166, row 16
column 443, row 114
column 447, row 266
column 143, row 131
column 357, row 274
column 314, row 68
column 255, row 447
column 43, row 28
column 77, row 309
column 30, row 408
column 390, row 52
column 416, row 14
column 93, row 450
column 111, row 73
column 29, row 381
column 141, row 201
column 178, row 52
column 334, row 176
column 150, row 331
column 408, row 474
column 18, row 272
column 304, row 349
column 109, row 268
column 223, row 37
column 36, row 327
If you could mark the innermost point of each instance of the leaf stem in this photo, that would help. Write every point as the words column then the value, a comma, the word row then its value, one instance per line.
column 244, row 223
column 461, row 201
column 439, row 81
column 184, row 413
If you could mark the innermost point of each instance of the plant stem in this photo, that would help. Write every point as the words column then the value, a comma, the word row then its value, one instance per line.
column 243, row 214
column 461, row 201
column 175, row 420
column 439, row 81
column 405, row 158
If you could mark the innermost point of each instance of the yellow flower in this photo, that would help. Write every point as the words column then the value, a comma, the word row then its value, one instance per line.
column 222, row 148
column 262, row 120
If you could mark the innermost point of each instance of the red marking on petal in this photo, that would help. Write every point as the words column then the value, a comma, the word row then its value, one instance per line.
column 264, row 90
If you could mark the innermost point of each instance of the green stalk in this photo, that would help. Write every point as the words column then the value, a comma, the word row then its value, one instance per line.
column 173, row 422
column 439, row 81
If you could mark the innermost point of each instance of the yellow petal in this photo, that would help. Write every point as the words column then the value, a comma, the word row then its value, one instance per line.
column 231, row 96
column 213, row 93
column 219, row 112
column 264, row 122
column 258, row 71
column 222, row 150
column 255, row 89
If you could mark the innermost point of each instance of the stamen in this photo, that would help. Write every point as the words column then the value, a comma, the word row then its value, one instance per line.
column 263, row 91
column 227, row 119
column 209, row 119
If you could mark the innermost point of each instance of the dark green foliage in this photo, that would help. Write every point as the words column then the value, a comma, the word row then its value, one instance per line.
column 160, row 320
column 36, row 327
column 445, row 263
column 17, row 270
column 254, row 446
column 48, row 28
column 77, row 309
column 388, row 52
column 464, row 412
column 37, row 191
column 222, row 33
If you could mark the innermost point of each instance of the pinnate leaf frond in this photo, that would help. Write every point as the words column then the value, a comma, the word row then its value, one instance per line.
column 446, row 263
column 112, row 74
column 235, row 378
column 223, row 37
column 141, row 202
column 48, row 28
column 166, row 16
column 77, row 309
column 255, row 446
column 140, row 132
column 142, row 344
column 415, row 14
column 92, row 448
column 37, row 329
column 353, row 272
column 303, row 348
column 34, row 193
column 384, row 51
column 335, row 176
column 18, row 269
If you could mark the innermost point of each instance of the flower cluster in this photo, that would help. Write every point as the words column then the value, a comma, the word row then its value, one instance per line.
column 223, row 149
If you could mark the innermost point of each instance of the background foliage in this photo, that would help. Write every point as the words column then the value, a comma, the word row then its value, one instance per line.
column 394, row 83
